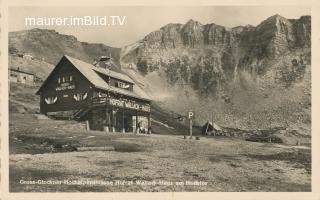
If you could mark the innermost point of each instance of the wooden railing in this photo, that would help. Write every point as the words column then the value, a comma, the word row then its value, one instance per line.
column 98, row 101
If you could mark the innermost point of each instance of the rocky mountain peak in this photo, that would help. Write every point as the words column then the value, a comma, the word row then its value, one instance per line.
column 305, row 18
column 274, row 22
column 193, row 23
column 192, row 26
column 276, row 17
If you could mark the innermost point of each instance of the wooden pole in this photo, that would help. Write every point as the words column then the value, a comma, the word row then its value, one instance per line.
column 190, row 128
column 107, row 120
column 87, row 125
column 149, row 123
column 136, row 122
column 123, row 129
column 113, row 120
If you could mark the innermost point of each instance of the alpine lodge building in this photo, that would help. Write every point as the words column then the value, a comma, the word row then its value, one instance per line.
column 105, row 99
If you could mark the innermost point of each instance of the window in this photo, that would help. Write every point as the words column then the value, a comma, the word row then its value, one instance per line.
column 65, row 79
column 80, row 96
column 50, row 100
column 122, row 85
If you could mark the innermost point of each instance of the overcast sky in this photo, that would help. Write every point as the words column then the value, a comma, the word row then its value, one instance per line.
column 142, row 20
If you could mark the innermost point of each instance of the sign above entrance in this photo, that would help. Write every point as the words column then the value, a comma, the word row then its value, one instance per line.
column 125, row 103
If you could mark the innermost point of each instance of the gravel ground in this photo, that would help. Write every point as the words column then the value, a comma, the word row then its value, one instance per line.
column 222, row 164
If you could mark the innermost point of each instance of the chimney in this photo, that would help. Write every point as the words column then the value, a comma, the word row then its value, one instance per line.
column 103, row 62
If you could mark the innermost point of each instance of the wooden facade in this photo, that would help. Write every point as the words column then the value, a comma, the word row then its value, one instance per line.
column 106, row 99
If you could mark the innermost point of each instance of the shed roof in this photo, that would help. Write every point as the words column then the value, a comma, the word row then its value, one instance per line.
column 21, row 71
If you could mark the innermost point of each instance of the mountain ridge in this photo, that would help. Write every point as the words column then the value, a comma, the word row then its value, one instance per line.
column 219, row 67
column 49, row 45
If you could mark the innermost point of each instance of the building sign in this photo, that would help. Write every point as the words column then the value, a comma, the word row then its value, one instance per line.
column 116, row 102
column 124, row 103
column 190, row 115
column 66, row 86
column 132, row 105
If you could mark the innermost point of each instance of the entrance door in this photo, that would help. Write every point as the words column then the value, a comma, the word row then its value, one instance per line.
column 128, row 123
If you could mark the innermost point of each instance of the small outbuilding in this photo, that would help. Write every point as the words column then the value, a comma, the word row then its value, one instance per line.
column 20, row 76
column 210, row 128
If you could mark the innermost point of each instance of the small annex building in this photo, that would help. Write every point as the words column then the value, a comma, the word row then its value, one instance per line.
column 210, row 128
column 106, row 99
column 17, row 75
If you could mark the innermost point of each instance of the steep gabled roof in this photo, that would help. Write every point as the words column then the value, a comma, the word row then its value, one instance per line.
column 90, row 73
column 88, row 68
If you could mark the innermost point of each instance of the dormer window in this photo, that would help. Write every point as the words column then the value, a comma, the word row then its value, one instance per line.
column 123, row 85
column 115, row 82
